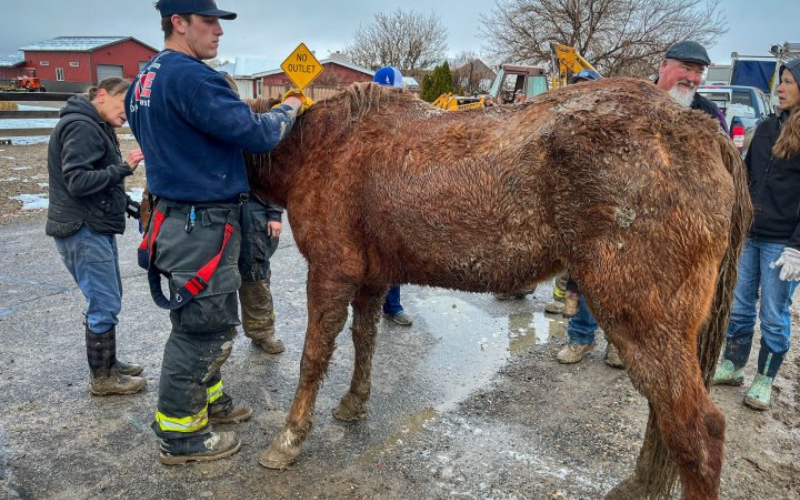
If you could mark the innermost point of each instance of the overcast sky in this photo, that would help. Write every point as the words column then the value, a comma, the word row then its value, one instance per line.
column 273, row 29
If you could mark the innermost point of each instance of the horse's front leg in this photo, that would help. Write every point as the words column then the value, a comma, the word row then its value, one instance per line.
column 366, row 313
column 327, row 313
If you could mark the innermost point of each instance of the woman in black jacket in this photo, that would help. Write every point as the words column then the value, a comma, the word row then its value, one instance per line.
column 770, row 260
column 86, row 212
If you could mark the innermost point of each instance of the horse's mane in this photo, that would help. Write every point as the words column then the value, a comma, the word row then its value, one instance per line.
column 363, row 99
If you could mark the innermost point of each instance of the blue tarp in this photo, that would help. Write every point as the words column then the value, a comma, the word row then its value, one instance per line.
column 754, row 74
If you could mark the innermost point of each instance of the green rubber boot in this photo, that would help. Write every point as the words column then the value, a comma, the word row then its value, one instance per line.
column 727, row 374
column 760, row 393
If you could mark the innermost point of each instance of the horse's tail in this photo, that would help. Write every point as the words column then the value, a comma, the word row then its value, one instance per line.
column 655, row 468
column 712, row 335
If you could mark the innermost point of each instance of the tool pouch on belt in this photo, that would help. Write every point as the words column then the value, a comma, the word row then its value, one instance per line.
column 189, row 257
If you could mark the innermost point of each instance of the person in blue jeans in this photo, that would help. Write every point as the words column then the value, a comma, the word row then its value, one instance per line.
column 391, row 77
column 393, row 310
column 770, row 260
column 86, row 211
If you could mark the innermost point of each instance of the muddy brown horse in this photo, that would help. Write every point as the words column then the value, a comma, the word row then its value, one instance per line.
column 643, row 201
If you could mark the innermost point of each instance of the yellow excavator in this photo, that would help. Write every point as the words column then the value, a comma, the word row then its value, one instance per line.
column 528, row 80
column 511, row 79
column 566, row 62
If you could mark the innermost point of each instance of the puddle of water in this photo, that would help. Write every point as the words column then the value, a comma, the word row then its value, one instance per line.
column 33, row 201
column 473, row 343
column 527, row 329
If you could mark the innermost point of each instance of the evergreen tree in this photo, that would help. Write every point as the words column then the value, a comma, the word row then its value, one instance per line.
column 436, row 83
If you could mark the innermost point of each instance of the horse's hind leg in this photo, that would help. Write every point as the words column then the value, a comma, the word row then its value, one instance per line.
column 327, row 313
column 366, row 312
column 659, row 348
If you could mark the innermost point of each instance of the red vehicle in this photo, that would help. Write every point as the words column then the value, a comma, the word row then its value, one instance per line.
column 25, row 83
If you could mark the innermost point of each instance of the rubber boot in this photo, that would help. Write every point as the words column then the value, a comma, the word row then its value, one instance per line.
column 203, row 448
column 759, row 397
column 105, row 380
column 556, row 306
column 730, row 370
column 258, row 316
column 223, row 411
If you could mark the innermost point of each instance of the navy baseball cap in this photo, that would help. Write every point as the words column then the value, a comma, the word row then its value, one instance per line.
column 389, row 77
column 688, row 51
column 199, row 7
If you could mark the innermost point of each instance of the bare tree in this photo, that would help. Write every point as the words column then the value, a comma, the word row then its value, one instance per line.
column 470, row 73
column 619, row 37
column 409, row 41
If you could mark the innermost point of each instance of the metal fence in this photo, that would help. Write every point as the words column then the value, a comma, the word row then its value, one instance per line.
column 315, row 92
column 32, row 97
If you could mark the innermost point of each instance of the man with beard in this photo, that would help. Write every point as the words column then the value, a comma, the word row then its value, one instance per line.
column 681, row 72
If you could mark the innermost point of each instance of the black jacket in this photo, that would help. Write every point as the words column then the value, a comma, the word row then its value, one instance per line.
column 774, row 187
column 86, row 173
column 701, row 103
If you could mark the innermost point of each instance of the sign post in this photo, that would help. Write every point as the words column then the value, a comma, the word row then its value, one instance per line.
column 302, row 67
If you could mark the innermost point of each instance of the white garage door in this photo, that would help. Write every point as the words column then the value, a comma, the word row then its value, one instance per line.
column 107, row 71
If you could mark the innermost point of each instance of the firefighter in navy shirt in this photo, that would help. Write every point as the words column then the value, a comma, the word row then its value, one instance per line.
column 193, row 129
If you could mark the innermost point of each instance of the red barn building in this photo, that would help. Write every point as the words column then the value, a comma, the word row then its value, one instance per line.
column 73, row 64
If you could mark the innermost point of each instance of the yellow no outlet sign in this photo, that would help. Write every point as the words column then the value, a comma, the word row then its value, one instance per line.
column 302, row 67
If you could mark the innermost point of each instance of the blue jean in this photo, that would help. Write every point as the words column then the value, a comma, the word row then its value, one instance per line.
column 582, row 327
column 93, row 261
column 391, row 305
column 776, row 297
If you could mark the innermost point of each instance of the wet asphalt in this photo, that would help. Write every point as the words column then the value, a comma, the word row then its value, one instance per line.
column 58, row 442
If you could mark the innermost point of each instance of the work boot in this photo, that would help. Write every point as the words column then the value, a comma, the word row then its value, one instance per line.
column 571, row 300
column 554, row 307
column 612, row 357
column 203, row 448
column 258, row 316
column 730, row 370
column 223, row 411
column 106, row 376
column 760, row 394
column 106, row 382
column 573, row 353
column 400, row 318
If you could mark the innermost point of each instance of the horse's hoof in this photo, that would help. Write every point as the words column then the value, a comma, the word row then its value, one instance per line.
column 276, row 459
column 629, row 489
column 350, row 409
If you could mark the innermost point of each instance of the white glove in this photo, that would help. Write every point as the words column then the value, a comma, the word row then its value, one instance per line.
column 790, row 262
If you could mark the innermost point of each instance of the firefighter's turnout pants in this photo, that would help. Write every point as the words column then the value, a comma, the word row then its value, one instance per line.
column 201, row 338
column 257, row 246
